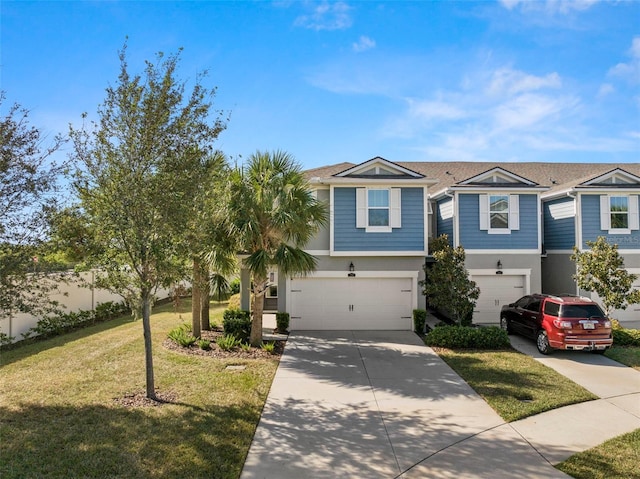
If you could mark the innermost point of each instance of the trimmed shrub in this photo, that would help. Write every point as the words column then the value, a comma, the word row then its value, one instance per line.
column 282, row 322
column 419, row 320
column 234, row 286
column 204, row 344
column 236, row 323
column 624, row 337
column 465, row 337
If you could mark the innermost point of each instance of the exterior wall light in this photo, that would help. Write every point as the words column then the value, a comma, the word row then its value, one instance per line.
column 499, row 267
column 352, row 268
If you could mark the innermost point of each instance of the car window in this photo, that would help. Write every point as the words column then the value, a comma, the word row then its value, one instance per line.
column 551, row 309
column 534, row 305
column 522, row 302
column 581, row 311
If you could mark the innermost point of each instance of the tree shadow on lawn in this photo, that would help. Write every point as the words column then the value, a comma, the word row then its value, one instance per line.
column 172, row 441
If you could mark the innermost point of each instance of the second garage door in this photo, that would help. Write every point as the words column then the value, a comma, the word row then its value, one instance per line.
column 351, row 303
column 496, row 291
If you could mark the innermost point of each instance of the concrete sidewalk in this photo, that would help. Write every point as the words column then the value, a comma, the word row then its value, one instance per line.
column 380, row 404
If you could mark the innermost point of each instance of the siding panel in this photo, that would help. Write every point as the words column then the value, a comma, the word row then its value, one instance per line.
column 559, row 224
column 590, row 210
column 349, row 238
column 472, row 237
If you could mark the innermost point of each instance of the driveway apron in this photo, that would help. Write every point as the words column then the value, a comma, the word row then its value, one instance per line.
column 380, row 404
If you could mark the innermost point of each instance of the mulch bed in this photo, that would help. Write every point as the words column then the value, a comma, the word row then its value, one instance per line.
column 216, row 352
column 140, row 399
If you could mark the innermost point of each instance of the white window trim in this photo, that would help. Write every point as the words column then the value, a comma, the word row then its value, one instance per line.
column 362, row 210
column 513, row 214
column 632, row 214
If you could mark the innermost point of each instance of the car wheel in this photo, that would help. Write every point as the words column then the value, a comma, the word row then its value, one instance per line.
column 505, row 325
column 542, row 342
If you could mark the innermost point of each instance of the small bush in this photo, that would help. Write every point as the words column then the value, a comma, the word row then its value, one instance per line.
column 625, row 337
column 236, row 323
column 227, row 342
column 234, row 286
column 245, row 347
column 182, row 335
column 465, row 337
column 269, row 347
column 282, row 322
column 204, row 344
column 5, row 339
column 419, row 320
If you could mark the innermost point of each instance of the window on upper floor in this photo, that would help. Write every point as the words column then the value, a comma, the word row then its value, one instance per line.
column 378, row 209
column 619, row 213
column 499, row 214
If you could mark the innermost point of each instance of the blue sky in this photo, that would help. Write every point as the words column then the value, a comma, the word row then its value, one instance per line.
column 329, row 82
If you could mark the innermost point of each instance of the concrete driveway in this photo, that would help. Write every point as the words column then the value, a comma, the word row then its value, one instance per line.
column 380, row 404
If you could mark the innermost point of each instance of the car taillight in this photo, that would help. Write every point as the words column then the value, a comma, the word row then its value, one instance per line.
column 558, row 323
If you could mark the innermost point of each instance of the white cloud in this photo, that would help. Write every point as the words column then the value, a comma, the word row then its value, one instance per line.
column 549, row 6
column 364, row 43
column 434, row 110
column 506, row 80
column 631, row 70
column 529, row 110
column 605, row 89
column 326, row 16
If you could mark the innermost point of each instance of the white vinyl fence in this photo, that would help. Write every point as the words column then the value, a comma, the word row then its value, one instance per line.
column 73, row 297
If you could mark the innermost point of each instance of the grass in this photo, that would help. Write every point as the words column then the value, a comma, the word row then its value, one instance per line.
column 628, row 355
column 59, row 418
column 617, row 458
column 515, row 385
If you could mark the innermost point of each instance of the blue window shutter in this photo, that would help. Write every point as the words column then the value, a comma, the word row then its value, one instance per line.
column 395, row 220
column 514, row 212
column 361, row 207
column 484, row 212
column 634, row 216
column 605, row 216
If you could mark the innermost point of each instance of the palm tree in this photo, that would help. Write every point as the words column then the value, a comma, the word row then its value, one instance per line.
column 273, row 215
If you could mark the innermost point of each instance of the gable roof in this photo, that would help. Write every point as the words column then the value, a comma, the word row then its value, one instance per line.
column 558, row 177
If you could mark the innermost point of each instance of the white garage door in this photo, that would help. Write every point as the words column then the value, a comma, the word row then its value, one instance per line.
column 351, row 303
column 496, row 291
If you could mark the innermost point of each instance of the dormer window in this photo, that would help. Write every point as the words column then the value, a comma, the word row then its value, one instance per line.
column 378, row 209
column 619, row 213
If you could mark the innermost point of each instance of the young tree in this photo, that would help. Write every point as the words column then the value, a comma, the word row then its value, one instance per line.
column 273, row 215
column 28, row 181
column 447, row 284
column 601, row 269
column 137, row 165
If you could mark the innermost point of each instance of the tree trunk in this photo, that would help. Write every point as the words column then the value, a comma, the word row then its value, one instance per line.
column 196, row 298
column 204, row 308
column 259, row 287
column 148, row 356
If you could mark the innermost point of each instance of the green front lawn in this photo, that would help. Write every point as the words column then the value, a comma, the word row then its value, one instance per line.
column 629, row 355
column 61, row 412
column 617, row 458
column 515, row 385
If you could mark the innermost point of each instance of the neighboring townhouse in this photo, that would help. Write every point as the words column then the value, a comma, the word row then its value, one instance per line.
column 601, row 204
column 517, row 222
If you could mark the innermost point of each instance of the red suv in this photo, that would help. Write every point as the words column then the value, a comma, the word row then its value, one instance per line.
column 559, row 322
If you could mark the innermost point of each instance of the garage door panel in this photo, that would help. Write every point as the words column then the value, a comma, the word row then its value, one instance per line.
column 351, row 303
column 495, row 292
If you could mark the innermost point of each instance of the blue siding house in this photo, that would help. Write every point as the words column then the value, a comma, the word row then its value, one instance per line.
column 518, row 224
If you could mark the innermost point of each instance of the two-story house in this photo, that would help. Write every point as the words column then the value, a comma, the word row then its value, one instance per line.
column 517, row 222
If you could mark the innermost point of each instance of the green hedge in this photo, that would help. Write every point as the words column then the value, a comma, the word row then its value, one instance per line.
column 466, row 337
column 237, row 323
column 626, row 337
column 419, row 320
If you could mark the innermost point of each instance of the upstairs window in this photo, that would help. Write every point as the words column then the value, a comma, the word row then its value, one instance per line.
column 499, row 214
column 619, row 214
column 378, row 209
